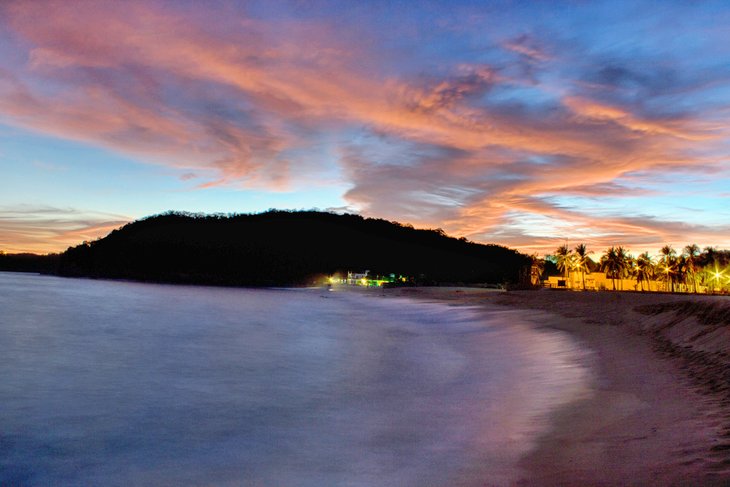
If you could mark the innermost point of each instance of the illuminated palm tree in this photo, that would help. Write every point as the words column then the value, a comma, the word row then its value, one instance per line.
column 536, row 269
column 581, row 261
column 629, row 268
column 668, row 263
column 715, row 266
column 644, row 269
column 565, row 260
column 681, row 271
column 692, row 253
column 625, row 264
column 612, row 263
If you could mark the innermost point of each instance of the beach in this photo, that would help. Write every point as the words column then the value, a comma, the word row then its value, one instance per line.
column 658, row 412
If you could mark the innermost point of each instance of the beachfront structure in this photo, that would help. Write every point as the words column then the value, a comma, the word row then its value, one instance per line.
column 365, row 279
column 357, row 278
column 599, row 281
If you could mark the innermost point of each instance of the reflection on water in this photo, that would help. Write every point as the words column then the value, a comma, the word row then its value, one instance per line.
column 109, row 383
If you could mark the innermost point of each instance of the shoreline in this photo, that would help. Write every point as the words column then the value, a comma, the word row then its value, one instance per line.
column 647, row 421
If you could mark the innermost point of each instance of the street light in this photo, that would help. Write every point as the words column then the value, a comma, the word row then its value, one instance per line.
column 717, row 276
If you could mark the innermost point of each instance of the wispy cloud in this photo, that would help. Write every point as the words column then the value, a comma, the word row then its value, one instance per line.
column 528, row 47
column 44, row 229
column 477, row 146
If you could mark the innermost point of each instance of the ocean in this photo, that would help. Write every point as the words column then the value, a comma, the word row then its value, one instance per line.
column 118, row 383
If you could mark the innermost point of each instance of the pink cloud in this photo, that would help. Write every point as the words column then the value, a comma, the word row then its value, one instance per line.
column 526, row 46
column 239, row 105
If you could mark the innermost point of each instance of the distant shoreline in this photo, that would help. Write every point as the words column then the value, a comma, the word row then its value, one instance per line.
column 649, row 422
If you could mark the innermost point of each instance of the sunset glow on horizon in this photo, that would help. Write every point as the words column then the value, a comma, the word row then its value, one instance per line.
column 517, row 123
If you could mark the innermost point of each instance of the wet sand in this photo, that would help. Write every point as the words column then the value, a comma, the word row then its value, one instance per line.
column 659, row 409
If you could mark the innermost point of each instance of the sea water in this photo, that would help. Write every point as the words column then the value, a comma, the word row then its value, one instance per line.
column 116, row 383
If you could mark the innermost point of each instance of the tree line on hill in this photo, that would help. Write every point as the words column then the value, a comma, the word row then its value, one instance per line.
column 278, row 248
column 26, row 262
column 690, row 269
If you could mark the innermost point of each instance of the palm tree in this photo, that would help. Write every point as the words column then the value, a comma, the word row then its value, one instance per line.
column 715, row 277
column 536, row 269
column 709, row 256
column 581, row 261
column 692, row 253
column 565, row 260
column 715, row 264
column 613, row 263
column 681, row 272
column 668, row 263
column 629, row 267
column 616, row 263
column 625, row 264
column 644, row 269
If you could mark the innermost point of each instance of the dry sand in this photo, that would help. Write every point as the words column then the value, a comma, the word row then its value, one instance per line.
column 659, row 413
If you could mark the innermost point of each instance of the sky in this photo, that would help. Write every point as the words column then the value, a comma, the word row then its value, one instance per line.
column 526, row 124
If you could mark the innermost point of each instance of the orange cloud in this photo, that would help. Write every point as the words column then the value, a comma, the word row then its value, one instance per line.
column 47, row 229
column 242, row 103
column 680, row 129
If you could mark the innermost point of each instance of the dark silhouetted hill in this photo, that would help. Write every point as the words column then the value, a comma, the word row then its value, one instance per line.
column 284, row 248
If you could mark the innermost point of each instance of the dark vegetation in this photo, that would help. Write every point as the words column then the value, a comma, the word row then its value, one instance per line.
column 285, row 248
column 44, row 264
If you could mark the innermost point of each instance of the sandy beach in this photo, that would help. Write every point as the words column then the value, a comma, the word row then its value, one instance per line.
column 659, row 410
